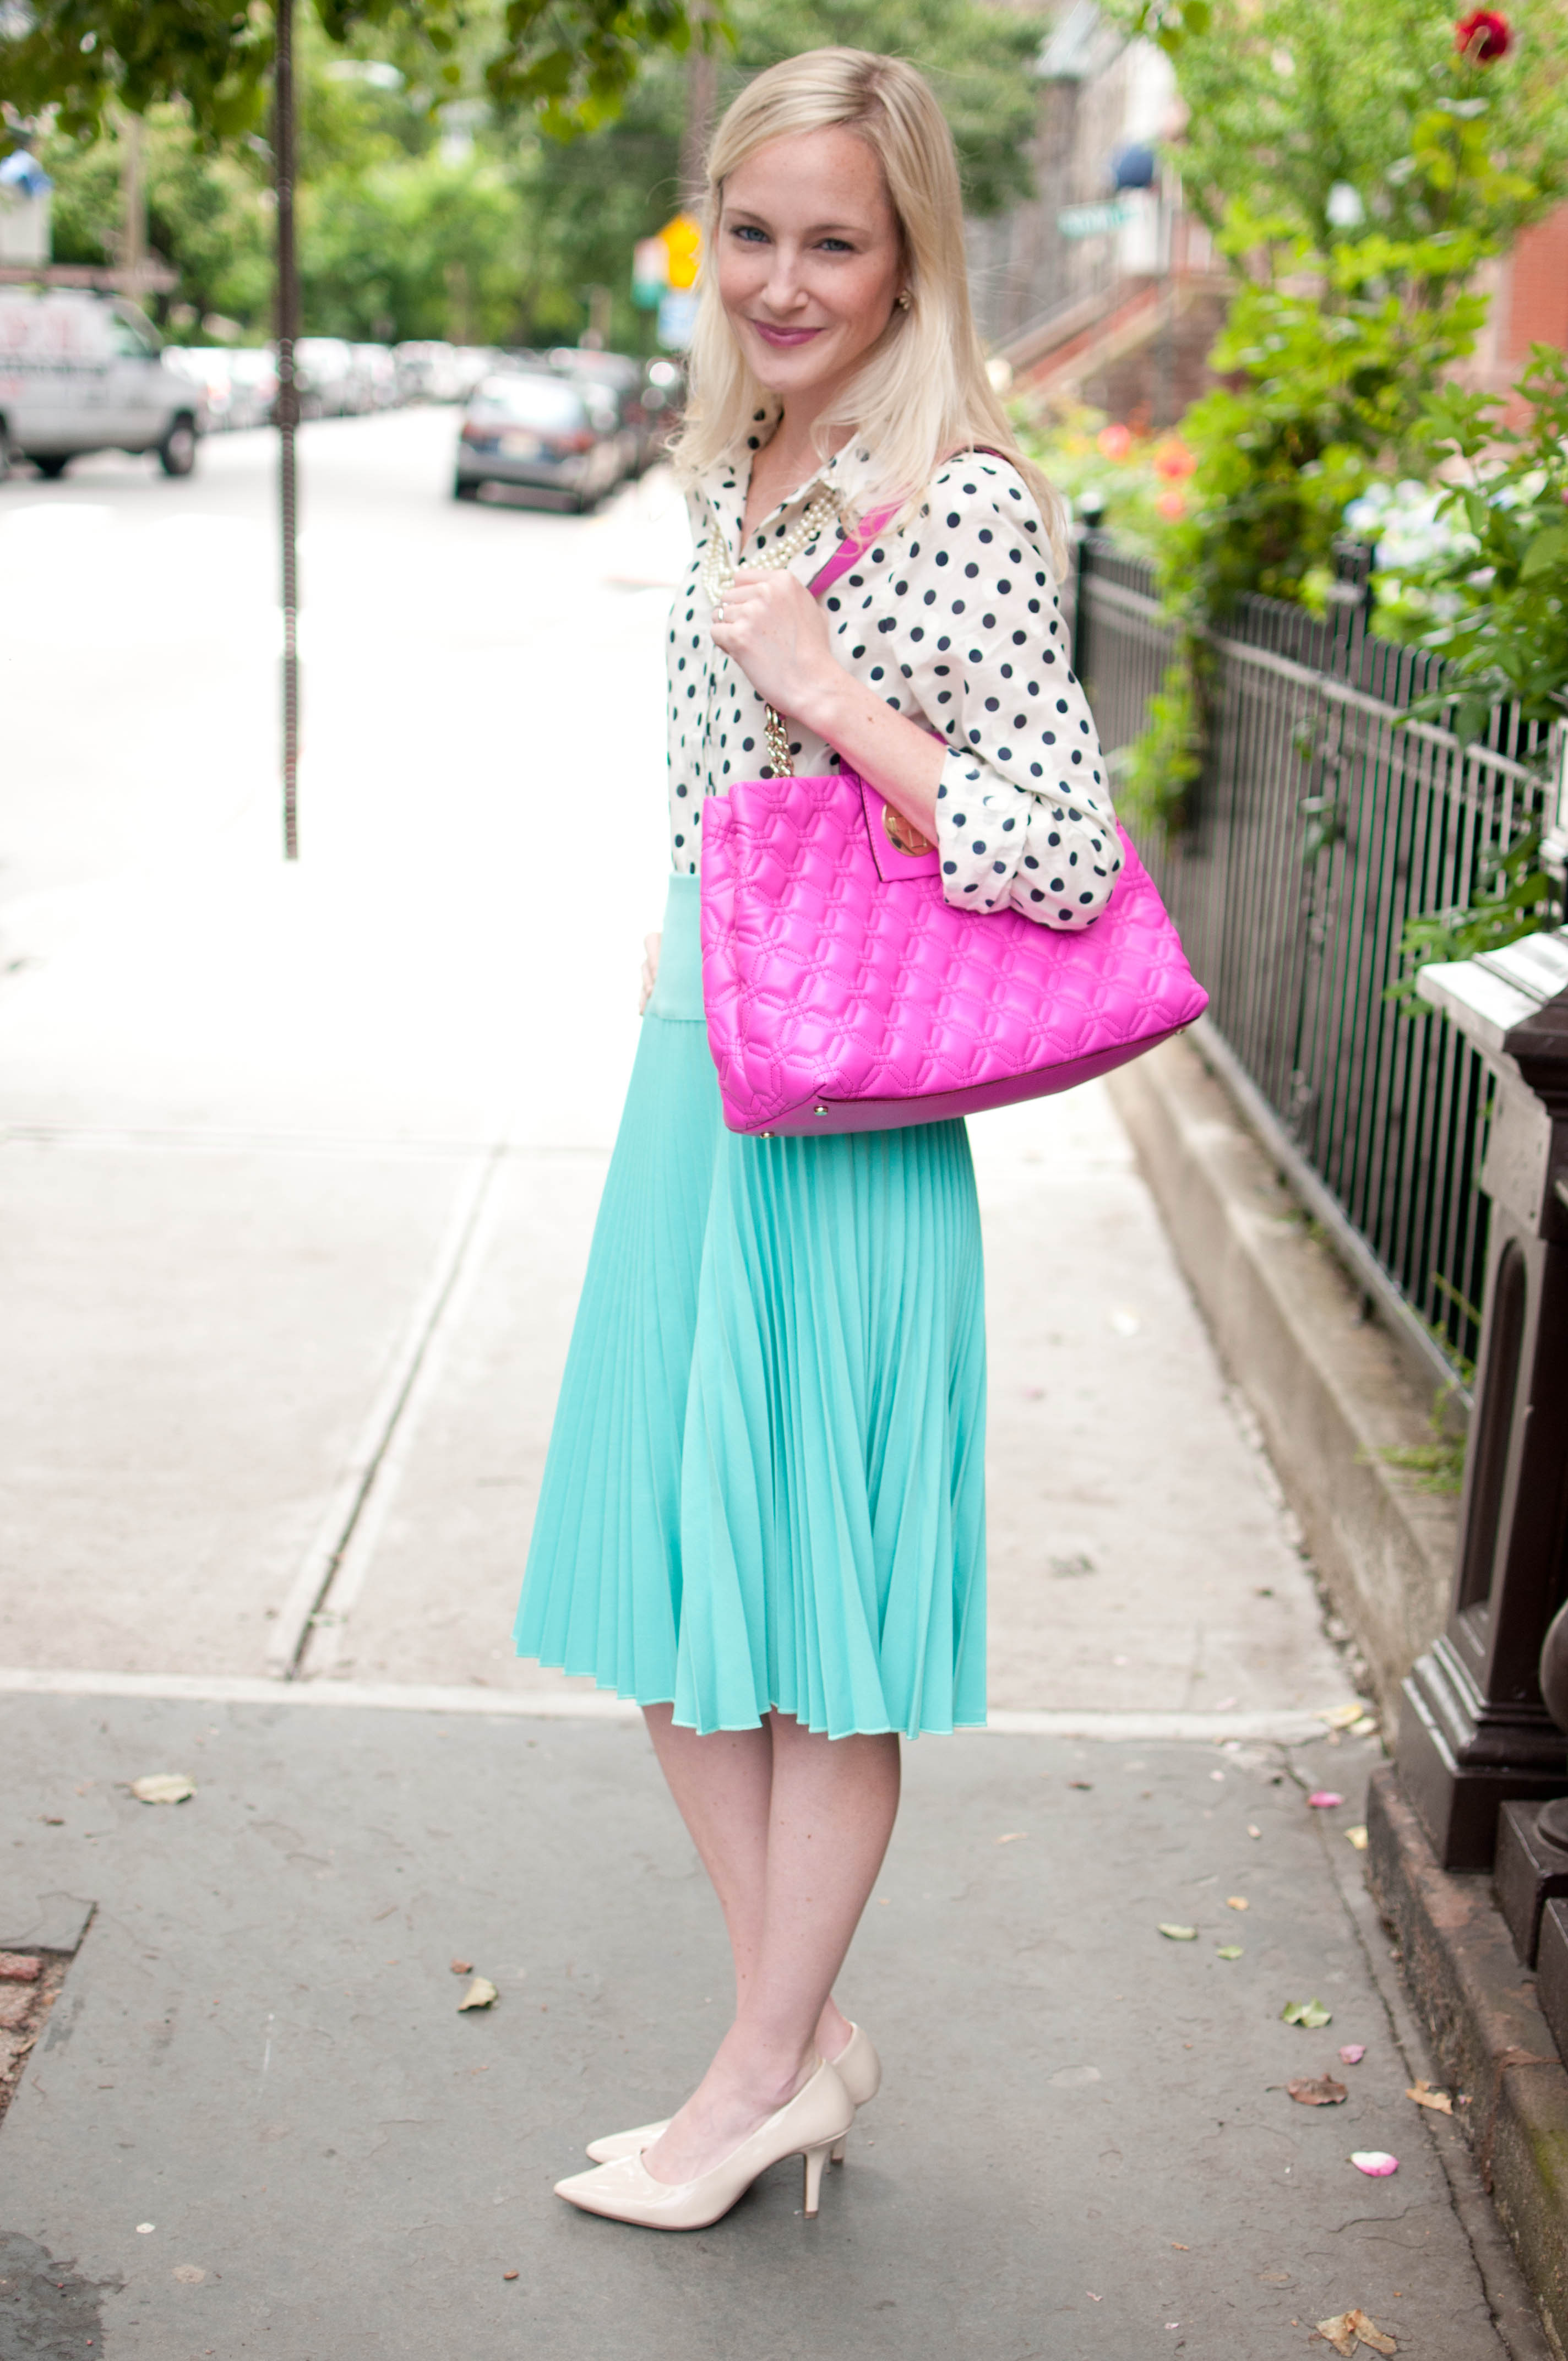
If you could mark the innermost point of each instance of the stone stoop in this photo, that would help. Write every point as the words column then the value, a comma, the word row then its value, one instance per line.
column 1492, row 2043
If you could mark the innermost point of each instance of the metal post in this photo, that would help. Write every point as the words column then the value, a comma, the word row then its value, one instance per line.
column 288, row 408
column 1475, row 1733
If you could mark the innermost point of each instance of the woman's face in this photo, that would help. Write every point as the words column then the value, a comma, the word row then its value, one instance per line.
column 810, row 262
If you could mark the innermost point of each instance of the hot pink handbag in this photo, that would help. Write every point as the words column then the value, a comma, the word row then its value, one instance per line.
column 843, row 993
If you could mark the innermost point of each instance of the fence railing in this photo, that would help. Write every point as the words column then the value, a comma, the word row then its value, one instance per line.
column 1319, row 825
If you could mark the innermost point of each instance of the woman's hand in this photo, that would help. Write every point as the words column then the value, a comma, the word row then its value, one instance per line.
column 772, row 628
column 651, row 946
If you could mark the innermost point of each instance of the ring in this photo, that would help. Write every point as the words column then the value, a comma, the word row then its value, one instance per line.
column 718, row 612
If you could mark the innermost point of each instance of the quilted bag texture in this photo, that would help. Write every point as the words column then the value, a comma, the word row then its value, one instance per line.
column 843, row 993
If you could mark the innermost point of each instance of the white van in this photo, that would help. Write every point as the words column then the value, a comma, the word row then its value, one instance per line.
column 81, row 372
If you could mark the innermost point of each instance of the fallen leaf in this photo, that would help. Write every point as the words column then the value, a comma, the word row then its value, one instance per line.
column 508, row 2275
column 1309, row 2013
column 480, row 1994
column 1014, row 1836
column 163, row 1787
column 1365, row 1727
column 1251, row 1831
column 1356, row 1837
column 1375, row 2162
column 1228, row 1951
column 18, row 1968
column 1323, row 1799
column 1179, row 2247
column 1317, row 2090
column 1179, row 1934
column 1085, row 1783
column 1237, row 1902
column 1347, row 2328
column 1425, row 2096
column 1352, row 2053
column 1339, row 1716
column 462, row 1967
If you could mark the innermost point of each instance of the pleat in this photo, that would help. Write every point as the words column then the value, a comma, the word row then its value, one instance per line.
column 602, row 1590
column 832, row 1498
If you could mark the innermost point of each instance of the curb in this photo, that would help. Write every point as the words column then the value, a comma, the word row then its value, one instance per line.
column 1331, row 1390
column 1487, row 2034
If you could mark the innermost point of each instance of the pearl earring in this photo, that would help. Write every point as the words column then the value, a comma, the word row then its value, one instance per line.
column 904, row 299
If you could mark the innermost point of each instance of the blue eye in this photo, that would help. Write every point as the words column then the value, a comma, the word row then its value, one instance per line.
column 837, row 246
column 748, row 230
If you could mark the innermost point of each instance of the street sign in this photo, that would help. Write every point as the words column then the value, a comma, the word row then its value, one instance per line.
column 677, row 318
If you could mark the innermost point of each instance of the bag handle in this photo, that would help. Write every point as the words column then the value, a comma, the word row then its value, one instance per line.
column 850, row 550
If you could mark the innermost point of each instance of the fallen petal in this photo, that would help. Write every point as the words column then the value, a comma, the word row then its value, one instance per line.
column 1356, row 1837
column 1323, row 1799
column 1339, row 1716
column 1251, row 1831
column 1179, row 1934
column 1227, row 1950
column 1237, row 1902
column 462, row 1967
column 1014, row 1836
column 480, row 1994
column 1317, row 2090
column 1352, row 2053
column 1425, row 2096
column 163, row 1787
column 1375, row 2162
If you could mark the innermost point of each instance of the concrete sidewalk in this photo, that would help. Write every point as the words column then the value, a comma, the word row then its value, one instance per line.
column 257, row 2125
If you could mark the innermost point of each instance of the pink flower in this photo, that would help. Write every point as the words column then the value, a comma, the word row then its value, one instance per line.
column 1352, row 2053
column 1323, row 1799
column 1114, row 441
column 1172, row 505
column 1375, row 2162
column 1484, row 35
column 1174, row 462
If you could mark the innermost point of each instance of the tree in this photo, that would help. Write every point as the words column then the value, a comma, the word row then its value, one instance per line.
column 571, row 61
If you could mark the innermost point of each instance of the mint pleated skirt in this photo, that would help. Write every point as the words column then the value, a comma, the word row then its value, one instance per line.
column 765, row 1483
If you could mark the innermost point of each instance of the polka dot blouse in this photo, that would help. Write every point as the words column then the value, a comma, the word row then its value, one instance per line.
column 955, row 620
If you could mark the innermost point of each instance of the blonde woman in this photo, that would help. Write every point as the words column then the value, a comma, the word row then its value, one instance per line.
column 763, row 1515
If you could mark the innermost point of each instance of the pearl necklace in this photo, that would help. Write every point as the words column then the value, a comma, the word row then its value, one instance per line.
column 718, row 569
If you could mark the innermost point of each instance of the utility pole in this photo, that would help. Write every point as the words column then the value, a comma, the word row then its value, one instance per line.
column 287, row 308
column 133, row 207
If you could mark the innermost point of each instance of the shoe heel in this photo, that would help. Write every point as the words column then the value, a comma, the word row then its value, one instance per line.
column 838, row 2147
column 815, row 2157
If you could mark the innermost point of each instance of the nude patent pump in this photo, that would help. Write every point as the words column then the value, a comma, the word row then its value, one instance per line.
column 857, row 2066
column 808, row 2125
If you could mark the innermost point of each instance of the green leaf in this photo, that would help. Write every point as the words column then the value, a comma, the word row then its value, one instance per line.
column 1228, row 1951
column 1179, row 1934
column 1308, row 2012
column 1548, row 549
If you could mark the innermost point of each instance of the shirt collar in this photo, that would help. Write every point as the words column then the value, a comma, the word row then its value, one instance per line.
column 724, row 486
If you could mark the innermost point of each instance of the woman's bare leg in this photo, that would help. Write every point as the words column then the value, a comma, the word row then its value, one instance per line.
column 723, row 1789
column 832, row 1803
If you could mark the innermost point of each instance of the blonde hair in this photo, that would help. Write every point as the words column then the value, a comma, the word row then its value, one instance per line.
column 923, row 392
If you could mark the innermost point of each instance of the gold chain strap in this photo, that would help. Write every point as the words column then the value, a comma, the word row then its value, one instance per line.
column 776, row 738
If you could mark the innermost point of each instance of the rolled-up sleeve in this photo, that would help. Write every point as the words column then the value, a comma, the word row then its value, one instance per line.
column 1024, row 816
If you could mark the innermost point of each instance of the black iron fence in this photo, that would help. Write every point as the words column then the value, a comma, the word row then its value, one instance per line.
column 1319, row 825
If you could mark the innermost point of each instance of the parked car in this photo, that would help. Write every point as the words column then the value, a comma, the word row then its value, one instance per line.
column 379, row 372
column 323, row 370
column 253, row 384
column 429, row 372
column 538, row 427
column 624, row 379
column 81, row 372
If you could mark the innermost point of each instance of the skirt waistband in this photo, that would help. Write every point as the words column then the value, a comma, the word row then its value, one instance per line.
column 677, row 995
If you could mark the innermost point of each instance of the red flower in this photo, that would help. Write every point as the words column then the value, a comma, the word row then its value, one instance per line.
column 1484, row 35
